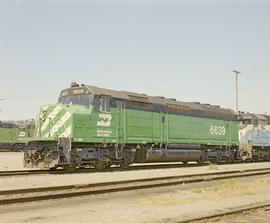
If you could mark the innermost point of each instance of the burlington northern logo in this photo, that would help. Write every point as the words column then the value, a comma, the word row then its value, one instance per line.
column 106, row 120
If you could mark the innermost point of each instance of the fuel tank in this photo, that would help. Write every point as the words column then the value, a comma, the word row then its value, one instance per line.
column 172, row 155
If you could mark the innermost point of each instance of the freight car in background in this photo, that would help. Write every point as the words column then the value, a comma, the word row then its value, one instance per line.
column 101, row 127
column 13, row 135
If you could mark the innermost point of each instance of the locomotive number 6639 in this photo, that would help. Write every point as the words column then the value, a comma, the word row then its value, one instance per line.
column 217, row 130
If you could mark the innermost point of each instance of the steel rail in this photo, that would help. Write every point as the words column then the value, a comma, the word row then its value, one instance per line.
column 21, row 172
column 68, row 187
column 117, row 186
column 221, row 213
column 89, row 170
column 92, row 170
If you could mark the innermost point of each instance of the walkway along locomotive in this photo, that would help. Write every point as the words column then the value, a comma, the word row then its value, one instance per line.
column 100, row 127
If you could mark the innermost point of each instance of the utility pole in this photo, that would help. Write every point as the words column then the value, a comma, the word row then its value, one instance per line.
column 1, row 100
column 236, row 89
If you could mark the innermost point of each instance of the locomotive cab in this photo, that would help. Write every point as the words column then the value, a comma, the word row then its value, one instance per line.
column 76, row 95
column 80, row 115
column 252, row 119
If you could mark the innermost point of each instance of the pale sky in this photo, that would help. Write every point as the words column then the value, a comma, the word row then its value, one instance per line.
column 184, row 49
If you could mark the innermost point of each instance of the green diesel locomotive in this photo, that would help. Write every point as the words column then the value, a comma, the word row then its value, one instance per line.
column 91, row 126
column 13, row 135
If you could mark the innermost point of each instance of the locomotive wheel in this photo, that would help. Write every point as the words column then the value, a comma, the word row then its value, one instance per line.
column 53, row 168
column 100, row 166
column 124, row 165
column 229, row 160
column 69, row 167
column 200, row 161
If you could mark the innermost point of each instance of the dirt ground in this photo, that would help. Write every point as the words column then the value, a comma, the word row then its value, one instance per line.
column 144, row 206
column 254, row 216
column 9, row 160
column 153, row 205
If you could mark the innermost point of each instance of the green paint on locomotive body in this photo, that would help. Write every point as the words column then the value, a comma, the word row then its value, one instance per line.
column 184, row 129
column 125, row 125
column 141, row 127
column 9, row 134
column 15, row 133
column 54, row 121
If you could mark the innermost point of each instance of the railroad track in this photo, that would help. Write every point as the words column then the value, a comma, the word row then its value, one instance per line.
column 90, row 170
column 36, row 172
column 216, row 216
column 93, row 170
column 67, row 191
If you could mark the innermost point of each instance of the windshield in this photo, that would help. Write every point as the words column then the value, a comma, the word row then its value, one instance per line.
column 76, row 100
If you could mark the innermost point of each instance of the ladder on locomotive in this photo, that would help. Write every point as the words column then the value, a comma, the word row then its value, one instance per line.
column 120, row 114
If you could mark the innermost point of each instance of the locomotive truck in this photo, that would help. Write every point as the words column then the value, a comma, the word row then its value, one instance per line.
column 92, row 126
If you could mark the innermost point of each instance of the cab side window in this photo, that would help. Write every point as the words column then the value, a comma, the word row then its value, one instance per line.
column 255, row 122
column 102, row 104
column 247, row 122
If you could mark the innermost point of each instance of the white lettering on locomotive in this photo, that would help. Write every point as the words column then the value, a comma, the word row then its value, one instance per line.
column 217, row 130
column 64, row 93
column 106, row 120
column 78, row 91
column 103, row 133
